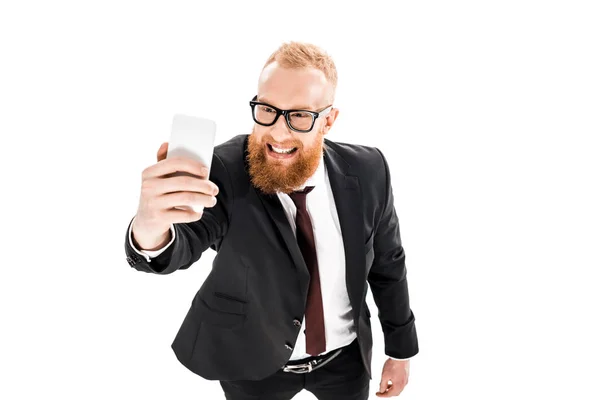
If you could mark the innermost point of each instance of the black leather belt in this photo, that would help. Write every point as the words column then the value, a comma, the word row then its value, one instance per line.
column 311, row 364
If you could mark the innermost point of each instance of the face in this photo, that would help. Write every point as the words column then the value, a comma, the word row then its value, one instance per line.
column 279, row 158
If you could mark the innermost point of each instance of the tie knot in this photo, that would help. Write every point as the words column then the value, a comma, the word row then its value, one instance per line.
column 299, row 196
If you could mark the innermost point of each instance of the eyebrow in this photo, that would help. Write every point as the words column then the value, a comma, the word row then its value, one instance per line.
column 303, row 107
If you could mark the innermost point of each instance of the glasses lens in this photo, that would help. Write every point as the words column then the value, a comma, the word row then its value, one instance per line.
column 301, row 120
column 264, row 114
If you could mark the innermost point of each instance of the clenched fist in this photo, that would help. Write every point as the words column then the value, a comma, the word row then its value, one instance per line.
column 174, row 182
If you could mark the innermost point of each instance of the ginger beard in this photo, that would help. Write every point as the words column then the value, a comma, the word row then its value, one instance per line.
column 271, row 175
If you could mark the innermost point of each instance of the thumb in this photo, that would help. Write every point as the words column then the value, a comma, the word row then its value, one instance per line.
column 383, row 385
column 162, row 151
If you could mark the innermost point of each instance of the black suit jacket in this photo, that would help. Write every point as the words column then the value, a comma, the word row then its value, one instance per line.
column 241, row 323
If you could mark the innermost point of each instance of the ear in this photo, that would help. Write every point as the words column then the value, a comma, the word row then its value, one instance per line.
column 330, row 119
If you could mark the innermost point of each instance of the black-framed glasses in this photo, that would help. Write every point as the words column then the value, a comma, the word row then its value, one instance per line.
column 297, row 120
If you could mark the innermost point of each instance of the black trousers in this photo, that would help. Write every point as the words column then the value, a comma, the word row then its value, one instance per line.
column 343, row 378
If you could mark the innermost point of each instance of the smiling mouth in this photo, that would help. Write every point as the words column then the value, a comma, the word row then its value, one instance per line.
column 282, row 151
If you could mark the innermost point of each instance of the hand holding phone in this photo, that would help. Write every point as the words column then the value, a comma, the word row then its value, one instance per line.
column 176, row 189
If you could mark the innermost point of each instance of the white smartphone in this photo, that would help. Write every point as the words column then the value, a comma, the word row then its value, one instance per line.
column 192, row 137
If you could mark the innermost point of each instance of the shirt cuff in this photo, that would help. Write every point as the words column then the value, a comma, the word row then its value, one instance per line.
column 400, row 359
column 148, row 254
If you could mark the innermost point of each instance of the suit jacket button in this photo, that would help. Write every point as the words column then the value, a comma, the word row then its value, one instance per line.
column 297, row 323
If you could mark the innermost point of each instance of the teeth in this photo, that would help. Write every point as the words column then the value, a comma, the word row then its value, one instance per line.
column 282, row 151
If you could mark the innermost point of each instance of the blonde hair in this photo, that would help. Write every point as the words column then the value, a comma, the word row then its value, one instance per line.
column 303, row 55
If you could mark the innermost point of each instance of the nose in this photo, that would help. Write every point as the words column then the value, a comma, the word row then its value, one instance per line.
column 280, row 131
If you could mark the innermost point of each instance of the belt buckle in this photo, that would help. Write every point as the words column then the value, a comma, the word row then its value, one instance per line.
column 308, row 367
column 300, row 368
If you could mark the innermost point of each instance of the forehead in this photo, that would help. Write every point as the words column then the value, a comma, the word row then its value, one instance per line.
column 293, row 88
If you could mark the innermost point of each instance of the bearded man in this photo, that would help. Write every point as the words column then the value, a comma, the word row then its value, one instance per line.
column 302, row 225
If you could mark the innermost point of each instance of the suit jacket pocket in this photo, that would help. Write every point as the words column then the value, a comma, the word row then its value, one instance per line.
column 222, row 311
column 228, row 303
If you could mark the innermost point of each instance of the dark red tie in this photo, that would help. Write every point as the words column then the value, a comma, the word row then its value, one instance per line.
column 315, row 326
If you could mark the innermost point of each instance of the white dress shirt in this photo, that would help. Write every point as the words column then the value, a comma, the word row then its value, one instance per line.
column 337, row 310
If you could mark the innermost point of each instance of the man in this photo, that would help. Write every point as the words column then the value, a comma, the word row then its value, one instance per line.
column 300, row 225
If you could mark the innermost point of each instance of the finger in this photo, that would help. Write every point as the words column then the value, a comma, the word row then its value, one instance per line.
column 190, row 199
column 181, row 184
column 178, row 216
column 396, row 389
column 175, row 164
column 383, row 385
column 162, row 151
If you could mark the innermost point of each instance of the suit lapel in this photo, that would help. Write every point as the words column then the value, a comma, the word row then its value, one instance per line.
column 276, row 212
column 348, row 202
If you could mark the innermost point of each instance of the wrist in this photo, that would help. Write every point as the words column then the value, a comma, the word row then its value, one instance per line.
column 150, row 239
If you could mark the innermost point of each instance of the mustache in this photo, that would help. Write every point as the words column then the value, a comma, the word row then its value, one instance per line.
column 269, row 139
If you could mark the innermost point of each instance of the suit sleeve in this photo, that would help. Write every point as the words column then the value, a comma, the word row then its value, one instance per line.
column 387, row 279
column 191, row 239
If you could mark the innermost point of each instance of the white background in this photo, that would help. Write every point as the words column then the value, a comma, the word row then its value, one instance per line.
column 487, row 111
